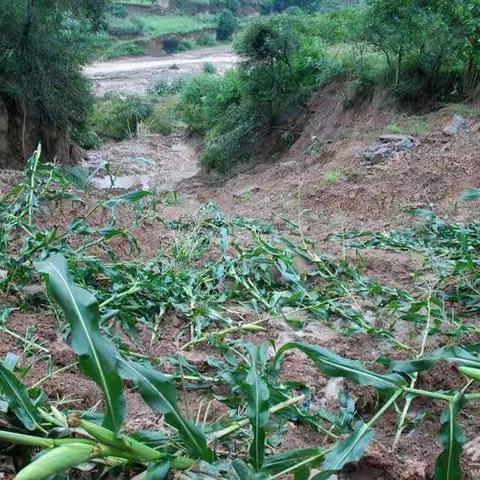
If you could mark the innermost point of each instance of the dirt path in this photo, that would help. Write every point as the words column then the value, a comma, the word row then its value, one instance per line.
column 135, row 75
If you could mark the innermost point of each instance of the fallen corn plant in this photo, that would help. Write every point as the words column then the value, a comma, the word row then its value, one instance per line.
column 191, row 448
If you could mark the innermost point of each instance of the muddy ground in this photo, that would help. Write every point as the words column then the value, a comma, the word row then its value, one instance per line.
column 135, row 75
column 296, row 183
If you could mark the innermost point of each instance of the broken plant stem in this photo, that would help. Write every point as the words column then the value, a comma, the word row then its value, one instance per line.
column 237, row 328
column 409, row 399
column 244, row 422
column 136, row 288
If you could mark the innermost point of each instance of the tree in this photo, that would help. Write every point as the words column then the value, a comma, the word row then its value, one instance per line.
column 43, row 45
column 431, row 47
column 227, row 25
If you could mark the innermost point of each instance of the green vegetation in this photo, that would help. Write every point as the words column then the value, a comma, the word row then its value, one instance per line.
column 217, row 267
column 227, row 25
column 154, row 26
column 42, row 49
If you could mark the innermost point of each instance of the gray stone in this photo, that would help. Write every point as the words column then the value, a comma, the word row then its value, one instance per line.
column 457, row 124
column 405, row 144
column 247, row 192
column 394, row 138
column 3, row 275
column 377, row 153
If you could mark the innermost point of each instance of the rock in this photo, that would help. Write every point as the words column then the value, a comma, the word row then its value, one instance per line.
column 247, row 192
column 377, row 153
column 394, row 138
column 3, row 275
column 405, row 144
column 387, row 148
column 174, row 66
column 457, row 124
column 32, row 291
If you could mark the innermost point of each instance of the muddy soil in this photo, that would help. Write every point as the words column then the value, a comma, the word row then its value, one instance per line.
column 135, row 75
column 151, row 162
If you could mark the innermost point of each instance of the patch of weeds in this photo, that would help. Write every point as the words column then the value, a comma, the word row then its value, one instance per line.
column 164, row 118
column 333, row 176
column 118, row 116
column 209, row 68
column 415, row 126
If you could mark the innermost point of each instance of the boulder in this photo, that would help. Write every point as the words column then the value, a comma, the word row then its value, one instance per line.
column 457, row 124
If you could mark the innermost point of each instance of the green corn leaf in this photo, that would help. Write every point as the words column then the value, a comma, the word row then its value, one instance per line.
column 348, row 451
column 452, row 439
column 97, row 356
column 241, row 471
column 158, row 391
column 158, row 471
column 18, row 399
column 130, row 197
column 469, row 195
column 293, row 461
column 334, row 365
column 257, row 392
column 450, row 354
column 58, row 460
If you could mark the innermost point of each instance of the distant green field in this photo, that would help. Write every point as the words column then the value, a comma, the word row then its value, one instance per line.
column 154, row 25
column 136, row 2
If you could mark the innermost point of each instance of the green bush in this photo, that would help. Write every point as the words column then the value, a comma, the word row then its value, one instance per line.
column 164, row 117
column 227, row 25
column 117, row 10
column 185, row 44
column 117, row 117
column 430, row 47
column 130, row 48
column 280, row 65
column 164, row 88
column 209, row 68
column 119, row 26
column 206, row 41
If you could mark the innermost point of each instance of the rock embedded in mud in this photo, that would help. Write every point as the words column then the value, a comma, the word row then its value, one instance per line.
column 457, row 124
column 247, row 192
column 388, row 146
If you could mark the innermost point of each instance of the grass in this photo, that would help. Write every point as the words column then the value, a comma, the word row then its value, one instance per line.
column 408, row 125
column 155, row 25
column 333, row 176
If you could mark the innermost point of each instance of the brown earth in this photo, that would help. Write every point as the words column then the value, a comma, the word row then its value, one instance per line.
column 298, row 185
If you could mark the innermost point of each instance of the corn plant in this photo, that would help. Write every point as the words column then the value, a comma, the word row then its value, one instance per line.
column 214, row 266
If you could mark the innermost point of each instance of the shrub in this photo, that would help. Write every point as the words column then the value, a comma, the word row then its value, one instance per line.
column 428, row 46
column 130, row 48
column 227, row 25
column 117, row 10
column 119, row 26
column 206, row 41
column 186, row 44
column 280, row 65
column 209, row 68
column 86, row 138
column 164, row 118
column 117, row 117
column 164, row 88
